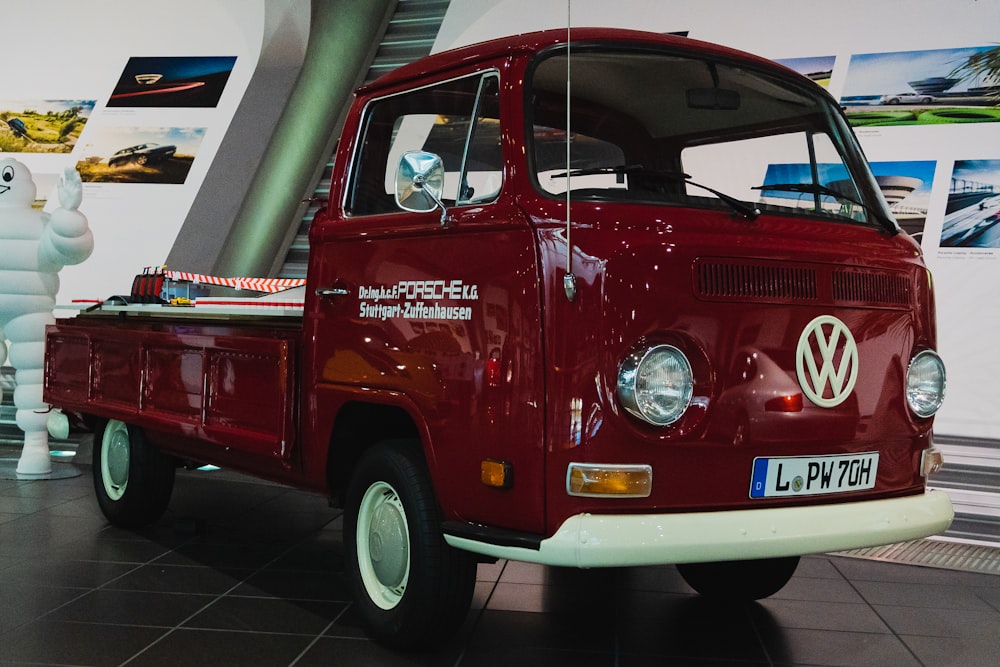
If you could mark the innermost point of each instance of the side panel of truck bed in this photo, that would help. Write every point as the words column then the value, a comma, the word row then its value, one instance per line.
column 226, row 385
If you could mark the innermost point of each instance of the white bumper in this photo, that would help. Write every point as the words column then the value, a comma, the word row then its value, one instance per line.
column 601, row 540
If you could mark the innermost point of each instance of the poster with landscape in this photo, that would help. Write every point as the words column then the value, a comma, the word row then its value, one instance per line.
column 42, row 126
column 929, row 87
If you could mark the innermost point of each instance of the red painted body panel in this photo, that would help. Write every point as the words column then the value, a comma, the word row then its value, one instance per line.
column 637, row 286
column 525, row 375
column 441, row 366
column 207, row 392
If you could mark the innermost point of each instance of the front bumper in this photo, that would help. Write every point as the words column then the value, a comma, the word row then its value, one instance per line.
column 617, row 540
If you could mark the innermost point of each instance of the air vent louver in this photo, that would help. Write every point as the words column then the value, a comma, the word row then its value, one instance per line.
column 865, row 287
column 757, row 282
column 762, row 281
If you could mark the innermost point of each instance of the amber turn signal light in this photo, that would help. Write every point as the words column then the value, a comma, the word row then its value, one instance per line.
column 496, row 473
column 931, row 461
column 622, row 481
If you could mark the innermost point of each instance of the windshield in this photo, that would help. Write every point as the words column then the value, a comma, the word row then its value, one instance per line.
column 649, row 127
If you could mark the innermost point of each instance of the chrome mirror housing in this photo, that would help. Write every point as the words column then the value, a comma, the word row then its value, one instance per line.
column 420, row 182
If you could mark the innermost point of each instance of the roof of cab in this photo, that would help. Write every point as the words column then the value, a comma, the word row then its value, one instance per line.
column 532, row 42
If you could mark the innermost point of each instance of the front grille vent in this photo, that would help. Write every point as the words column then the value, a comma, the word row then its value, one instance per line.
column 865, row 287
column 762, row 281
column 758, row 282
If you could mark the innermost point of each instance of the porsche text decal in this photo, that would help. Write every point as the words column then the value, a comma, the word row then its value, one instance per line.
column 418, row 300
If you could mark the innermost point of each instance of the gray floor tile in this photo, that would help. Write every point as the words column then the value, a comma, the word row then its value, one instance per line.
column 249, row 573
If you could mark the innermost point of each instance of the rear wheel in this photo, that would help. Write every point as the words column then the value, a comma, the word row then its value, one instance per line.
column 741, row 579
column 132, row 479
column 411, row 588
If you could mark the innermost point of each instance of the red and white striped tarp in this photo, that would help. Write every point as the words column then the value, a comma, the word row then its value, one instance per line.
column 256, row 284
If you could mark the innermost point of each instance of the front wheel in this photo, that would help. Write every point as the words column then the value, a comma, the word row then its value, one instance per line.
column 739, row 580
column 411, row 588
column 133, row 480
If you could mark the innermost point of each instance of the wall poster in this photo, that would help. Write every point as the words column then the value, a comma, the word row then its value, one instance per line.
column 137, row 96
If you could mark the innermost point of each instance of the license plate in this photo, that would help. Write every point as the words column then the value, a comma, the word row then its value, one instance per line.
column 812, row 475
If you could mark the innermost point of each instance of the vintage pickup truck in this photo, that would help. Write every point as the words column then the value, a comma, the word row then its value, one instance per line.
column 660, row 314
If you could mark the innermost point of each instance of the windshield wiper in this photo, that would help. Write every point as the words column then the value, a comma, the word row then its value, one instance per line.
column 748, row 211
column 817, row 189
column 811, row 188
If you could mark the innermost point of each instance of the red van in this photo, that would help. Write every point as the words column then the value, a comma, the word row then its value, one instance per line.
column 659, row 315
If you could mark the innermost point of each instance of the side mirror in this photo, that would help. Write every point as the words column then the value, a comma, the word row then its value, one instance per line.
column 420, row 182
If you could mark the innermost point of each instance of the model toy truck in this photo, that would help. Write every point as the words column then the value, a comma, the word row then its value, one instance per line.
column 660, row 315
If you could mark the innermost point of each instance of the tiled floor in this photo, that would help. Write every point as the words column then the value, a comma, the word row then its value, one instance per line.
column 245, row 573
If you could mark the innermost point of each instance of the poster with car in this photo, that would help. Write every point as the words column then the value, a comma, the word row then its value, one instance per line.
column 140, row 154
column 931, row 87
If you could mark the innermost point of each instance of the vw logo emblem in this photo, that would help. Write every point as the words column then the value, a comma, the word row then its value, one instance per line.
column 826, row 378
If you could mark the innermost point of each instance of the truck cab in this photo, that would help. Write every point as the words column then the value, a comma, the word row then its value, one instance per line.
column 626, row 299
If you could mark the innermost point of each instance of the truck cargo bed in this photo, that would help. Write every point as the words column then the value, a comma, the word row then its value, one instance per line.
column 228, row 380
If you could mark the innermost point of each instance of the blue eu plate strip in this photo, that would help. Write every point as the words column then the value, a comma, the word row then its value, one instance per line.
column 758, row 480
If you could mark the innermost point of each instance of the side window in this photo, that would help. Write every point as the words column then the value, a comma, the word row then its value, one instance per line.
column 458, row 120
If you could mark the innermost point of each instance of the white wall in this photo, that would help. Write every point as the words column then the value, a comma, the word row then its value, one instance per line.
column 67, row 50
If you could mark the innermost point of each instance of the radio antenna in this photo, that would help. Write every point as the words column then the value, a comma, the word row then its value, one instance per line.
column 569, row 280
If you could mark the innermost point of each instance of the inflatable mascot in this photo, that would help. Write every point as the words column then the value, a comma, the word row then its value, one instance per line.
column 34, row 246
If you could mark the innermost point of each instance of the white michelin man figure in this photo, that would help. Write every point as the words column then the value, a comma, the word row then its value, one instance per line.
column 34, row 246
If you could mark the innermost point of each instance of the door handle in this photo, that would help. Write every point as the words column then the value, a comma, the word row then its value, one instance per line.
column 332, row 291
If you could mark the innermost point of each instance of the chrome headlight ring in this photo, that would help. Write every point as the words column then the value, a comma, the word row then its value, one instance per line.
column 925, row 383
column 655, row 384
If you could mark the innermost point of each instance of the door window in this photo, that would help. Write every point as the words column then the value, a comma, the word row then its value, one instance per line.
column 458, row 120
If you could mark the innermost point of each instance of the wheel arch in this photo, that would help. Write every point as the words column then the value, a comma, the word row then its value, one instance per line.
column 358, row 426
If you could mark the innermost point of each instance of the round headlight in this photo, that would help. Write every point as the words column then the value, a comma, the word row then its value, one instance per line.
column 925, row 381
column 655, row 384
